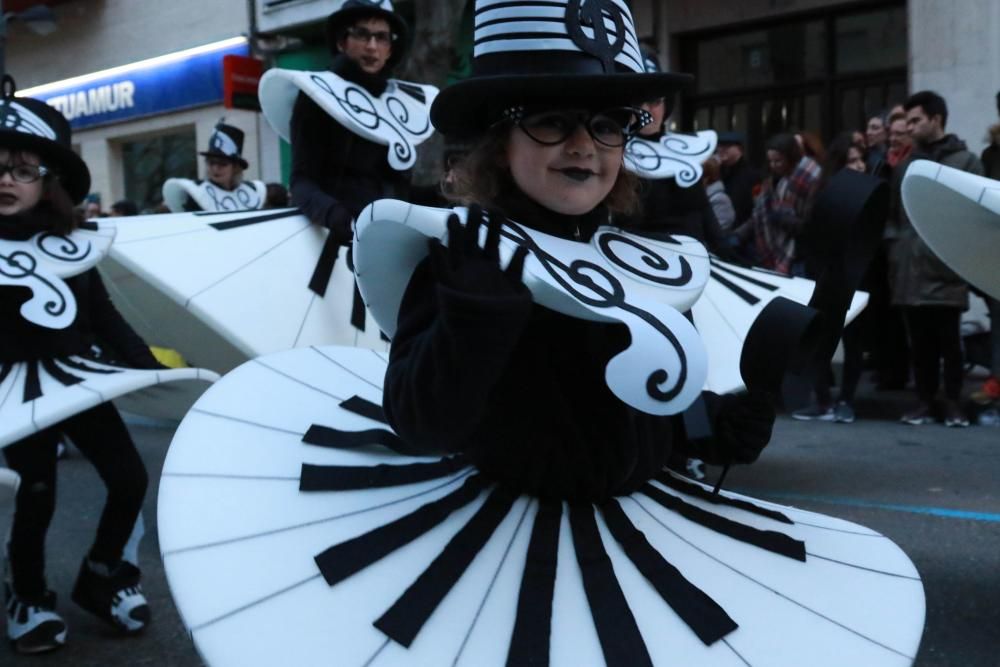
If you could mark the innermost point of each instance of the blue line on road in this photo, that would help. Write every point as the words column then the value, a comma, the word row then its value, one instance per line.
column 853, row 502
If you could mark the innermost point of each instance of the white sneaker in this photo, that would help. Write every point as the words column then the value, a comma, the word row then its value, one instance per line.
column 33, row 626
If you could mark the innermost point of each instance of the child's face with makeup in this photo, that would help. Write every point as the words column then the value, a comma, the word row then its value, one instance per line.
column 19, row 193
column 570, row 177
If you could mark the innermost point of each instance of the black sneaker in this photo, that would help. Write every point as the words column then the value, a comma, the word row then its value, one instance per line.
column 33, row 626
column 843, row 413
column 116, row 597
column 918, row 416
column 823, row 413
column 954, row 416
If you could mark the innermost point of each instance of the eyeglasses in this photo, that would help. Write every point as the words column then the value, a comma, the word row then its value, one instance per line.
column 382, row 37
column 23, row 173
column 611, row 127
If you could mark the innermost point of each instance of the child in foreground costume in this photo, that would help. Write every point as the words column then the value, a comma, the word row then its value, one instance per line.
column 551, row 534
column 476, row 367
column 41, row 179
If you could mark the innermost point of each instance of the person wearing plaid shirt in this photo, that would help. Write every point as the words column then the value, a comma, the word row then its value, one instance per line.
column 783, row 204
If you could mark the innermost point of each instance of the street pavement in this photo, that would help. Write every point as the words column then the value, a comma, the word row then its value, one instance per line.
column 934, row 491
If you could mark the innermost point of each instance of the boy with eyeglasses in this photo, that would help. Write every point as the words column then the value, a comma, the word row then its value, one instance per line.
column 354, row 133
column 335, row 171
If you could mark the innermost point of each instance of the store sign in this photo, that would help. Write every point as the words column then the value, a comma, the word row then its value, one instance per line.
column 181, row 80
column 240, row 80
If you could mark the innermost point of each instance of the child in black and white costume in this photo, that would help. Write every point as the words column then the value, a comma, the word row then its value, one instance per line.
column 224, row 188
column 41, row 178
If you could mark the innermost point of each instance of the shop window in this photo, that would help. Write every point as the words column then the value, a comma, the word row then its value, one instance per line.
column 150, row 161
column 783, row 54
column 871, row 41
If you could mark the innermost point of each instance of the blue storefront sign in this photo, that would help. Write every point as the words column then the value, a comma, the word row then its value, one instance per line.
column 178, row 81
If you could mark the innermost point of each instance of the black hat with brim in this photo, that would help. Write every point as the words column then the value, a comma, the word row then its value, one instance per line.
column 353, row 10
column 527, row 54
column 28, row 124
column 226, row 136
column 222, row 156
column 469, row 107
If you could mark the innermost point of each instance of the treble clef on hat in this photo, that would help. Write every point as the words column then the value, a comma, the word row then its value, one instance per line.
column 525, row 50
column 592, row 13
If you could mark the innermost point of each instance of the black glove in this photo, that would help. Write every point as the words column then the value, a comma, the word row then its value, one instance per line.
column 338, row 221
column 743, row 424
column 465, row 267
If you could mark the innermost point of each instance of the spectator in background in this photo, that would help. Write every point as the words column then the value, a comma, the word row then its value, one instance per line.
column 932, row 295
column 780, row 210
column 92, row 207
column 990, row 391
column 123, row 208
column 991, row 154
column 844, row 153
column 811, row 145
column 722, row 205
column 877, row 142
column 900, row 143
column 738, row 176
column 277, row 196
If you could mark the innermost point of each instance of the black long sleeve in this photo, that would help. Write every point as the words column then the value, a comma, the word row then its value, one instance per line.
column 314, row 134
column 110, row 328
column 448, row 354
column 519, row 390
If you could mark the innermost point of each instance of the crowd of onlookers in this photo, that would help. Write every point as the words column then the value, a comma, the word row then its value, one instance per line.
column 911, row 329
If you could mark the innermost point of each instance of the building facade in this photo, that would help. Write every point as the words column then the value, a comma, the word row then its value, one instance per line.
column 141, row 85
column 761, row 66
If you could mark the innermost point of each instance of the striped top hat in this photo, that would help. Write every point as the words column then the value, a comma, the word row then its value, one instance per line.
column 32, row 125
column 544, row 51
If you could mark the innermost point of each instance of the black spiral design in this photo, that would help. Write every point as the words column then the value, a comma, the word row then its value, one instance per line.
column 360, row 106
column 646, row 156
column 63, row 248
column 650, row 257
column 240, row 199
column 595, row 286
column 22, row 266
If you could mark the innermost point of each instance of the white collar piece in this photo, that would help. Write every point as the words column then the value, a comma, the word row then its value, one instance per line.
column 674, row 155
column 41, row 263
column 248, row 195
column 399, row 118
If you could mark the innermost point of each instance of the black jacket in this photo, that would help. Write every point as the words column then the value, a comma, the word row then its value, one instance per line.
column 97, row 322
column 740, row 180
column 668, row 208
column 336, row 173
column 518, row 388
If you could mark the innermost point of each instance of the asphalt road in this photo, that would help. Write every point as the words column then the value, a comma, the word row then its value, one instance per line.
column 933, row 490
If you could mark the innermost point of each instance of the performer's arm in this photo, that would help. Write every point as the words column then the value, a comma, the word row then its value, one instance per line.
column 741, row 428
column 111, row 328
column 312, row 135
column 459, row 323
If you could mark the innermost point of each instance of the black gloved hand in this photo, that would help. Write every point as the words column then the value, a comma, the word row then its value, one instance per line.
column 742, row 427
column 466, row 267
column 339, row 221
